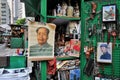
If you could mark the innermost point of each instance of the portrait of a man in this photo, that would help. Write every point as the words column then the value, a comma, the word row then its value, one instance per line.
column 41, row 41
column 109, row 13
column 104, row 52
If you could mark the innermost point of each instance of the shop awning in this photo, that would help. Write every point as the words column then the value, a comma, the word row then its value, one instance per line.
column 32, row 7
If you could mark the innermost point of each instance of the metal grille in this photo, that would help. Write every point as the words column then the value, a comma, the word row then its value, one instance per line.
column 4, row 61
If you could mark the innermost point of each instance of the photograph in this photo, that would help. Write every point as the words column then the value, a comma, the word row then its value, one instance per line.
column 75, row 47
column 41, row 41
column 104, row 52
column 96, row 78
column 109, row 13
column 105, row 79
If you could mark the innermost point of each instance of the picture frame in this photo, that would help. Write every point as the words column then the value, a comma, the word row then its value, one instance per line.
column 41, row 41
column 105, row 79
column 104, row 52
column 96, row 78
column 101, row 78
column 109, row 13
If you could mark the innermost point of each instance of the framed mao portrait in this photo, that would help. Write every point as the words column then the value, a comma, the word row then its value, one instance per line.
column 109, row 13
column 104, row 52
column 41, row 41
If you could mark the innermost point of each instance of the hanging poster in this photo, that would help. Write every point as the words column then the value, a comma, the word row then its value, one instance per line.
column 41, row 41
column 109, row 13
column 104, row 52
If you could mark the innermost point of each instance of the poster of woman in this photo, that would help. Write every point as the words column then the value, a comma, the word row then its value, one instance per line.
column 104, row 52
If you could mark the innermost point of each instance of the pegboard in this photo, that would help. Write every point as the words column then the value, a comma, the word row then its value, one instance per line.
column 112, row 69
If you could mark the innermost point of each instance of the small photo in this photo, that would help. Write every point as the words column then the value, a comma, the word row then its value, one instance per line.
column 97, row 78
column 41, row 41
column 109, row 13
column 75, row 46
column 105, row 79
column 104, row 52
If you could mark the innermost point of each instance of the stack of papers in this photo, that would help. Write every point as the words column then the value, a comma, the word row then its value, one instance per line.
column 14, row 74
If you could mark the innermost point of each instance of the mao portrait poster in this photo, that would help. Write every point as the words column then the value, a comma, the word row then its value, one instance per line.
column 104, row 52
column 41, row 41
column 109, row 13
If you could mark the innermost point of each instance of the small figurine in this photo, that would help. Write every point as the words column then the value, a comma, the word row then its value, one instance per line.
column 58, row 9
column 76, row 11
column 54, row 12
column 94, row 6
column 70, row 10
column 74, row 30
column 64, row 8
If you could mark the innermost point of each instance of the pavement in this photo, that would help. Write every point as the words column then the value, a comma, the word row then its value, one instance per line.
column 2, row 46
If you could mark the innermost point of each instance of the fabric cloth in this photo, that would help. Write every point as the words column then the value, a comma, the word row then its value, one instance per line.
column 75, row 74
column 51, row 67
column 106, row 56
column 44, row 50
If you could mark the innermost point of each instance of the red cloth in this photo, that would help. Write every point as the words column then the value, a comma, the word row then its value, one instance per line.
column 76, row 47
column 51, row 66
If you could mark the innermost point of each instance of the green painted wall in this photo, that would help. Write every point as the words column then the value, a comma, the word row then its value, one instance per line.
column 109, row 70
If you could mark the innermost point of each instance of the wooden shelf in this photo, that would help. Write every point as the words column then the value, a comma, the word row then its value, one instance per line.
column 66, row 57
column 64, row 17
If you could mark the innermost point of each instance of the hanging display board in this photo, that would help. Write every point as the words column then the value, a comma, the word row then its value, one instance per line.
column 101, row 25
column 4, row 61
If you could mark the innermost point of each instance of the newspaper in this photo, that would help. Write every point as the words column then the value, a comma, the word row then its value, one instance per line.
column 14, row 74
